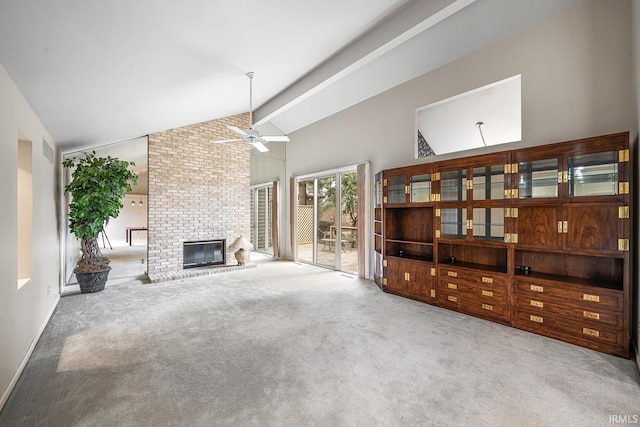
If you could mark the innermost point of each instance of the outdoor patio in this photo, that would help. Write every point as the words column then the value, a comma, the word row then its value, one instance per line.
column 327, row 256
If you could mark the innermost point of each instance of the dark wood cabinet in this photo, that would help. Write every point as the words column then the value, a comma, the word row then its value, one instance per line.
column 482, row 295
column 594, row 227
column 588, row 315
column 535, row 238
column 410, row 278
column 378, row 271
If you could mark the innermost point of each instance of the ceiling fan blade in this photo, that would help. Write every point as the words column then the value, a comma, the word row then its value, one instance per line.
column 236, row 129
column 282, row 138
column 259, row 146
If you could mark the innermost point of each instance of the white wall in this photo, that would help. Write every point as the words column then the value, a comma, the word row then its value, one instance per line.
column 129, row 217
column 576, row 74
column 24, row 312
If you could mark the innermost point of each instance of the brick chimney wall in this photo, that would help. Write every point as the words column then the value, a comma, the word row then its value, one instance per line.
column 197, row 190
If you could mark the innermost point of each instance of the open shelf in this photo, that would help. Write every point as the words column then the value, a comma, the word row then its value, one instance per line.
column 412, row 257
column 414, row 224
column 592, row 270
column 475, row 266
column 480, row 257
column 615, row 285
column 412, row 250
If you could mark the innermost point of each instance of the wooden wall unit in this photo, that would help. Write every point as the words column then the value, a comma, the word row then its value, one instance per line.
column 536, row 238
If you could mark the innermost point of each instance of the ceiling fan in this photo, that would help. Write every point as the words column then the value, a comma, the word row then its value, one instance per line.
column 251, row 135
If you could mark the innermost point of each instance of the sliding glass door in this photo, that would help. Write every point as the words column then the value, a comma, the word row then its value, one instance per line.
column 306, row 224
column 326, row 214
column 261, row 218
column 327, row 220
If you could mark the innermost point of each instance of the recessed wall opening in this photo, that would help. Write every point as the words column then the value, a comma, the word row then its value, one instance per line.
column 485, row 116
column 25, row 209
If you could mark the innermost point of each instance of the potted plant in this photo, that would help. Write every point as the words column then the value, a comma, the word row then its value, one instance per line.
column 97, row 187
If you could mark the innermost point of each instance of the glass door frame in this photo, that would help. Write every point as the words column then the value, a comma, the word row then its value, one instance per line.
column 337, row 175
column 268, row 187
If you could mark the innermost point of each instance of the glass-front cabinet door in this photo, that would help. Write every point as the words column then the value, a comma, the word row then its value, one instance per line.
column 488, row 224
column 408, row 186
column 420, row 188
column 538, row 179
column 473, row 198
column 453, row 186
column 488, row 183
column 594, row 174
column 396, row 190
column 453, row 223
column 377, row 195
column 573, row 175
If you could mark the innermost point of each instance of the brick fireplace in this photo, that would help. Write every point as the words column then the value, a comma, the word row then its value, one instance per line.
column 198, row 191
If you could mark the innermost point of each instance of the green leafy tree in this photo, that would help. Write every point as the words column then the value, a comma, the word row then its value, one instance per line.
column 97, row 187
column 350, row 197
column 349, row 191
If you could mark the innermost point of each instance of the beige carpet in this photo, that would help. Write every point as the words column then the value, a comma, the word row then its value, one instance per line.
column 288, row 344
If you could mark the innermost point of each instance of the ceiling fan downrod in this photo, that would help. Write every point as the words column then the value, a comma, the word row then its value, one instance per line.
column 250, row 75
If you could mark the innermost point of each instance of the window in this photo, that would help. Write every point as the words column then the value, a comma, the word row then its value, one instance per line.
column 25, row 210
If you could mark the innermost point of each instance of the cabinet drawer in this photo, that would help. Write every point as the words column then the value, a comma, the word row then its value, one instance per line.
column 486, row 309
column 548, row 307
column 468, row 298
column 487, row 279
column 560, row 327
column 490, row 293
column 587, row 298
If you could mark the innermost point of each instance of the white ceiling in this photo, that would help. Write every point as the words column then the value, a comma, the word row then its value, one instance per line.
column 97, row 72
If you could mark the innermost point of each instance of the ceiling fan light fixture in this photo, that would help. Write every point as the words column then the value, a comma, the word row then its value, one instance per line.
column 479, row 124
column 251, row 135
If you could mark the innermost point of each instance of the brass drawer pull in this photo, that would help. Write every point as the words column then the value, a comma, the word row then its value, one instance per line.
column 536, row 288
column 535, row 303
column 591, row 332
column 536, row 319
column 452, row 274
column 487, row 307
column 487, row 279
column 452, row 286
column 487, row 293
column 451, row 298
column 592, row 298
column 591, row 315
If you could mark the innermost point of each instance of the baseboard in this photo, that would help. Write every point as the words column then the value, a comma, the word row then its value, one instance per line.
column 25, row 359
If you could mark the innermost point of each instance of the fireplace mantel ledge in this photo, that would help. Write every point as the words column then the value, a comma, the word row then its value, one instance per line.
column 195, row 272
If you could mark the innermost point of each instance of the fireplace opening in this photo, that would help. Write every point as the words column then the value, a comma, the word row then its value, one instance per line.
column 203, row 253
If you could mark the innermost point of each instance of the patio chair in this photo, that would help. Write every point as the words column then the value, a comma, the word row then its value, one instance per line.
column 325, row 238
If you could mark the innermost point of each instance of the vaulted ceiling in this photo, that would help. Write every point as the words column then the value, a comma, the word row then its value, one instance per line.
column 97, row 72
